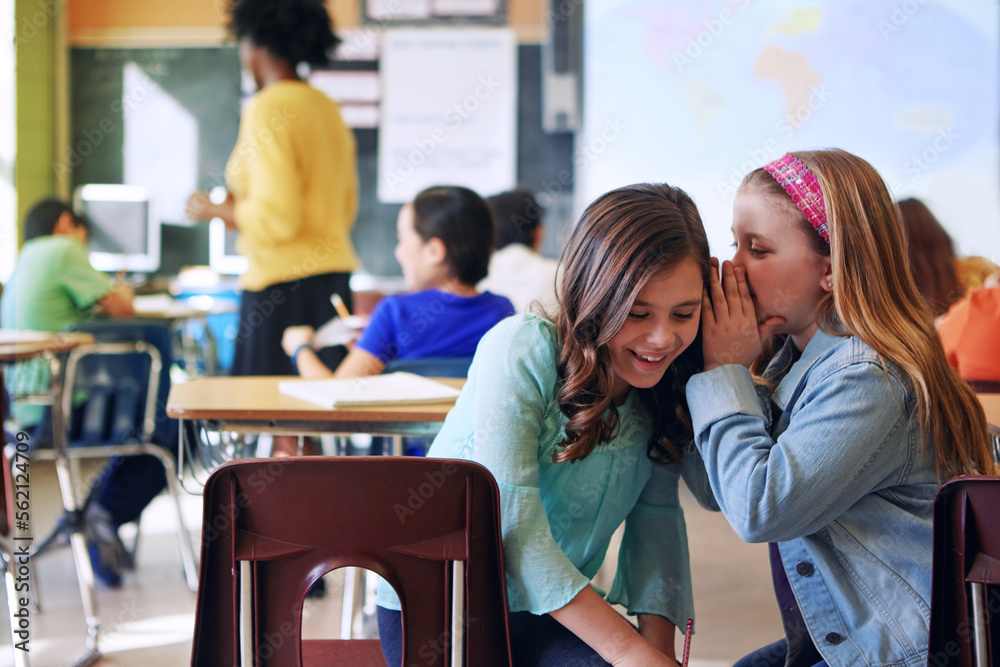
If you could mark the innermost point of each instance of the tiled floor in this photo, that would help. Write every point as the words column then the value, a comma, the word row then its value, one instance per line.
column 149, row 621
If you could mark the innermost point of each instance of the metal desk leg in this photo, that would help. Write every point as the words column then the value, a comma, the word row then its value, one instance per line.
column 84, row 573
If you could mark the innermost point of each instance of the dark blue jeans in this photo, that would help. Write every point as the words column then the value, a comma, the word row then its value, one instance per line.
column 536, row 641
column 773, row 655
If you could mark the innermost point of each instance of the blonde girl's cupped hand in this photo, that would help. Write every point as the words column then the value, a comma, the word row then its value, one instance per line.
column 729, row 329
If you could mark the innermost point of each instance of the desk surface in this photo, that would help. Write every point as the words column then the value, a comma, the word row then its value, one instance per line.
column 165, row 307
column 20, row 345
column 257, row 399
column 991, row 403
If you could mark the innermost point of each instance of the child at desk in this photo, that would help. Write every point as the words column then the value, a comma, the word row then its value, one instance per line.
column 827, row 415
column 445, row 237
column 582, row 422
column 54, row 286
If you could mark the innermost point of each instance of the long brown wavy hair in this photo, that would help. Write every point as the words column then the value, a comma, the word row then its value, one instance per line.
column 623, row 239
column 875, row 299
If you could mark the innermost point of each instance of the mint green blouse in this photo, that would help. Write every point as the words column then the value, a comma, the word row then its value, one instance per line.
column 558, row 518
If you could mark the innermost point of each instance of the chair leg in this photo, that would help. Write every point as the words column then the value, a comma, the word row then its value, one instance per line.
column 170, row 466
column 9, row 568
column 980, row 625
column 183, row 537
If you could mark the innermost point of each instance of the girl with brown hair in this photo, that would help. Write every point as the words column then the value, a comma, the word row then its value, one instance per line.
column 861, row 418
column 582, row 422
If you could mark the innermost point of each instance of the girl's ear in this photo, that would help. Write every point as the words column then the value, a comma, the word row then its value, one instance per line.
column 435, row 250
column 827, row 280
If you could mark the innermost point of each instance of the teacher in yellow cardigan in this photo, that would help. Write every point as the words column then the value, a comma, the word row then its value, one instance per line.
column 292, row 184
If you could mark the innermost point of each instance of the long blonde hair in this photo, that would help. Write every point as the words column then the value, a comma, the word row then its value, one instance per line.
column 875, row 299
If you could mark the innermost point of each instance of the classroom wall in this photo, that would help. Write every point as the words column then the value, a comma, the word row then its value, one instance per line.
column 8, row 203
column 202, row 21
column 37, row 73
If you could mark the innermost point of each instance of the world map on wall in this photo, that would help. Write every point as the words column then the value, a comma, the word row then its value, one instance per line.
column 706, row 91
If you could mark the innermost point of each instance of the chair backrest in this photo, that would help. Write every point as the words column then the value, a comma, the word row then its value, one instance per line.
column 116, row 386
column 985, row 386
column 966, row 572
column 442, row 367
column 406, row 519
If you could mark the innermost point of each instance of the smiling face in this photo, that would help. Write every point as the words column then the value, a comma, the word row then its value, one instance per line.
column 787, row 277
column 661, row 324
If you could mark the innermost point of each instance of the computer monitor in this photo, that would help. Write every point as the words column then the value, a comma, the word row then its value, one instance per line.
column 222, row 254
column 124, row 231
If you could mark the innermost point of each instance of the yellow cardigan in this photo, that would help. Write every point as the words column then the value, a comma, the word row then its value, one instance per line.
column 294, row 178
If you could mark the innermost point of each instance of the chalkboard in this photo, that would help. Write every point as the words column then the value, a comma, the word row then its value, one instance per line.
column 185, row 95
column 205, row 83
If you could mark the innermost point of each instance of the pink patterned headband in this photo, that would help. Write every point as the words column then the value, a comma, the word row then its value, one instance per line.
column 802, row 186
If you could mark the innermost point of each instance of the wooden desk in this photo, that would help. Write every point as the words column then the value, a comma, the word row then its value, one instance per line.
column 253, row 404
column 23, row 345
column 222, row 406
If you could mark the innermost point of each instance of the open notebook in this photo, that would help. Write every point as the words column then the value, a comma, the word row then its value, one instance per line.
column 391, row 388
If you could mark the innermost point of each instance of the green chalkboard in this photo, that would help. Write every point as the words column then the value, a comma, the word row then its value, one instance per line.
column 190, row 95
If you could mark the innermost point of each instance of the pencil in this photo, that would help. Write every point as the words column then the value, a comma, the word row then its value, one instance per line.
column 338, row 304
column 687, row 642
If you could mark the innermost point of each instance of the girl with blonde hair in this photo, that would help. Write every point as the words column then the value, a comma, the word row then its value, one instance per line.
column 827, row 415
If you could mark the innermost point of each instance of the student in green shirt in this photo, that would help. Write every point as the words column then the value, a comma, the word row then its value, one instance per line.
column 53, row 286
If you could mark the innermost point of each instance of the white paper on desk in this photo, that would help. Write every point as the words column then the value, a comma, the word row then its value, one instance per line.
column 391, row 388
column 339, row 331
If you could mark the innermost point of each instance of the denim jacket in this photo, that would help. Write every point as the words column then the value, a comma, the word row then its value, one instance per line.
column 831, row 468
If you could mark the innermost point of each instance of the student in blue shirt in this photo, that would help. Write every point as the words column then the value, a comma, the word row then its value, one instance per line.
column 827, row 414
column 582, row 422
column 445, row 237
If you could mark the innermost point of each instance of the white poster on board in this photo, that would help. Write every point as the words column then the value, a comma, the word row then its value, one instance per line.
column 449, row 111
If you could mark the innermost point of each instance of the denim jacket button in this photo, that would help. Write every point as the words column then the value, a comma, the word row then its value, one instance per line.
column 804, row 569
column 834, row 638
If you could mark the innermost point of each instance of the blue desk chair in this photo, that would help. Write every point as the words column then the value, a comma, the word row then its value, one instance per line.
column 441, row 367
column 124, row 377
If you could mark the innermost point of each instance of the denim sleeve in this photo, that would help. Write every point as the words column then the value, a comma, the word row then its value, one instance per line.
column 654, row 573
column 842, row 441
column 514, row 376
column 696, row 478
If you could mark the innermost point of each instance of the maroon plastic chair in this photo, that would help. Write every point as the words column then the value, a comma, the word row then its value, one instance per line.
column 965, row 595
column 985, row 386
column 272, row 527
